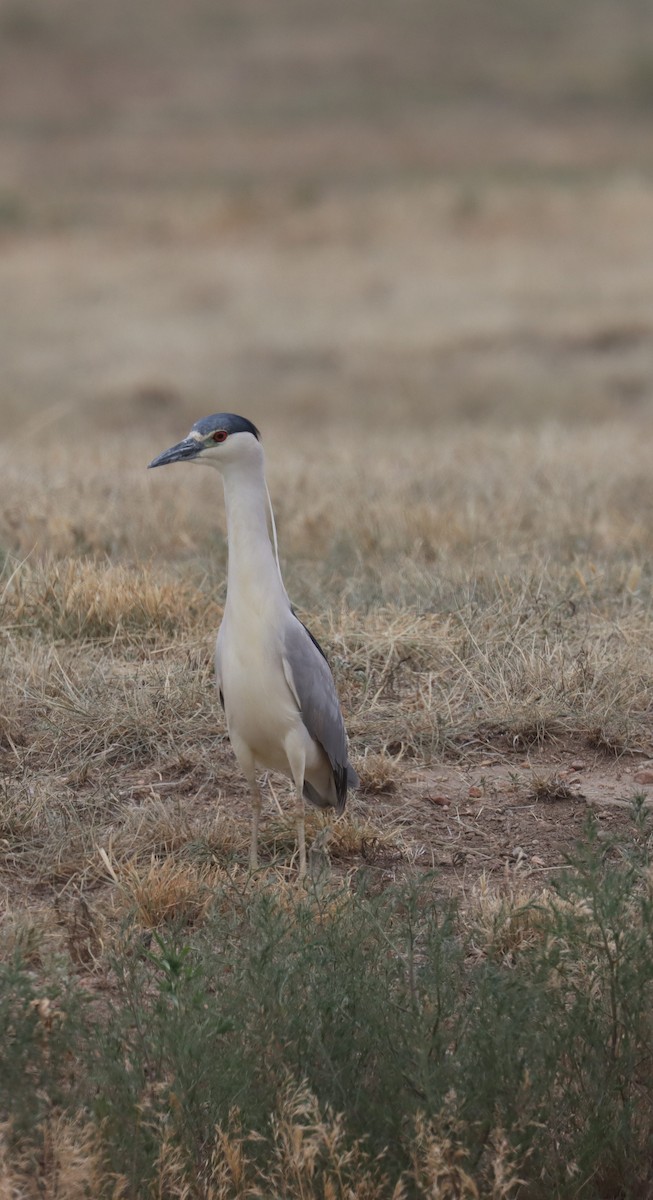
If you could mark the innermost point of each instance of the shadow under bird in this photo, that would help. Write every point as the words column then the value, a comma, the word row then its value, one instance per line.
column 274, row 682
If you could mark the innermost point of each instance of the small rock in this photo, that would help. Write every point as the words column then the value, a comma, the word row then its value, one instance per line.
column 517, row 853
column 441, row 800
column 475, row 793
column 644, row 777
column 577, row 766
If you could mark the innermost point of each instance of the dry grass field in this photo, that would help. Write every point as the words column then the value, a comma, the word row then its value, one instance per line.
column 416, row 251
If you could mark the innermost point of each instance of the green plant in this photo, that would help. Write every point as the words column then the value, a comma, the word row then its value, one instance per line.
column 370, row 1018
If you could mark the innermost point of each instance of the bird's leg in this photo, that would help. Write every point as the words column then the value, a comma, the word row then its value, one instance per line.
column 248, row 767
column 255, row 796
column 301, row 829
column 296, row 755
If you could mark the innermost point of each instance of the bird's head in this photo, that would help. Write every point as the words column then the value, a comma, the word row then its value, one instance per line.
column 218, row 441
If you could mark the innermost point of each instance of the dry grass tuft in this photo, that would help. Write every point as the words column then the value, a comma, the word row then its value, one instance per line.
column 308, row 1153
column 184, row 827
column 220, row 839
column 550, row 789
column 361, row 836
column 83, row 928
column 504, row 919
column 165, row 891
column 612, row 740
column 77, row 708
column 67, row 1166
column 441, row 1167
column 158, row 826
column 30, row 933
column 84, row 599
column 312, row 1155
column 354, row 835
column 379, row 775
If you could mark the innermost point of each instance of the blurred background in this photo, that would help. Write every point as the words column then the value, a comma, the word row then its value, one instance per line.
column 352, row 213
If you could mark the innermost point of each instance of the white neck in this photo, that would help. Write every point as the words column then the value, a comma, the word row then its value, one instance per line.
column 253, row 575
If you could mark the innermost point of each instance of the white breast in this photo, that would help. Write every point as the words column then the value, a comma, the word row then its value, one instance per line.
column 259, row 706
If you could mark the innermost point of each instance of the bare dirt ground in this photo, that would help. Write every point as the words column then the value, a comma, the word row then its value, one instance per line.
column 503, row 816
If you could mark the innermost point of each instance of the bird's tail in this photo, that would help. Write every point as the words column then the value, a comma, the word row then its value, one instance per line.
column 353, row 781
column 316, row 798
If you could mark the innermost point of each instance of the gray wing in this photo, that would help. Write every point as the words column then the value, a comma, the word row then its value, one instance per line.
column 218, row 668
column 309, row 677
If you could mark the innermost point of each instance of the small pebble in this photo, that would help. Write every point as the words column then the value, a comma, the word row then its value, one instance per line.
column 644, row 777
column 475, row 792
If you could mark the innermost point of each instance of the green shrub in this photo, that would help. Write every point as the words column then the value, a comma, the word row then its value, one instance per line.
column 531, row 1059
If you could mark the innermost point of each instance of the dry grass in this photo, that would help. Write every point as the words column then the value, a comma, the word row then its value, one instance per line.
column 80, row 599
column 529, row 603
column 475, row 587
column 550, row 789
column 164, row 891
column 506, row 918
column 354, row 836
column 310, row 1155
column 70, row 1166
column 378, row 774
column 440, row 1168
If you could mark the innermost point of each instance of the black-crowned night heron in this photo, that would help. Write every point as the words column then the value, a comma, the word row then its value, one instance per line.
column 273, row 679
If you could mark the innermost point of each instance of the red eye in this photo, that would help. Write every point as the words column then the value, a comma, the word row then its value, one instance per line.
column 220, row 435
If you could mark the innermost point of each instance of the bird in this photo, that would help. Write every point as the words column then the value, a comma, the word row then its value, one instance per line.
column 273, row 679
